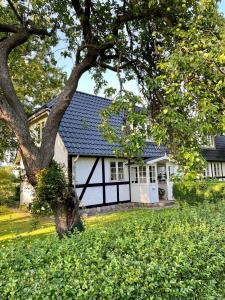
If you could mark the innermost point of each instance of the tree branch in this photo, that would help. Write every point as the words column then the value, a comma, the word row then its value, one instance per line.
column 15, row 11
column 84, row 17
column 62, row 103
column 9, row 28
column 117, row 68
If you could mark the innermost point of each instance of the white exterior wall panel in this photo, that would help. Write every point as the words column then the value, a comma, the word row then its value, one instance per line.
column 111, row 194
column 124, row 192
column 92, row 196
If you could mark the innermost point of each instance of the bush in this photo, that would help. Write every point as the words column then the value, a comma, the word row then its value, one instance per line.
column 169, row 254
column 194, row 192
column 9, row 186
column 52, row 187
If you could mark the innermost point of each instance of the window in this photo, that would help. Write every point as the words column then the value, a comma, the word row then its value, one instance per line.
column 216, row 169
column 134, row 174
column 206, row 172
column 37, row 131
column 142, row 174
column 152, row 178
column 120, row 171
column 116, row 171
column 113, row 171
column 210, row 142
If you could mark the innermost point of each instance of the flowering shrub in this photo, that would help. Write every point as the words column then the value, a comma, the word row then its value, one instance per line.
column 169, row 254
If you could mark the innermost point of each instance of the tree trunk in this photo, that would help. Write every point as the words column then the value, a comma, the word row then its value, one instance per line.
column 67, row 217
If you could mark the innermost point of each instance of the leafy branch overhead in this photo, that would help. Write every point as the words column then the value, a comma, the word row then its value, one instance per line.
column 184, row 98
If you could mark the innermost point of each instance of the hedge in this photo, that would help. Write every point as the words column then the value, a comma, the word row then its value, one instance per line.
column 170, row 254
column 194, row 192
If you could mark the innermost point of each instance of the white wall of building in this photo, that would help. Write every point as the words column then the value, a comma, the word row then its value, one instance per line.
column 81, row 169
column 61, row 156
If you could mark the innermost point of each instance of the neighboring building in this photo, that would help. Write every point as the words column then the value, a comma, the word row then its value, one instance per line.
column 101, row 178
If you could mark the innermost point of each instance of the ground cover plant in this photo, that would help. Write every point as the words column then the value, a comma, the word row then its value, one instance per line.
column 161, row 254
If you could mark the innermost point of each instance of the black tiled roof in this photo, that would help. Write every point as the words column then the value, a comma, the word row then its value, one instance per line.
column 218, row 153
column 80, row 134
column 79, row 128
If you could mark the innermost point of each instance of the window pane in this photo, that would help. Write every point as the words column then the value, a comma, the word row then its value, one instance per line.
column 113, row 164
column 120, row 171
column 134, row 175
column 142, row 174
column 113, row 170
column 152, row 174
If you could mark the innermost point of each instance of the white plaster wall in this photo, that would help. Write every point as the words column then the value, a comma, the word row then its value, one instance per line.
column 61, row 154
column 111, row 193
column 92, row 196
column 82, row 168
column 124, row 192
column 140, row 193
column 26, row 193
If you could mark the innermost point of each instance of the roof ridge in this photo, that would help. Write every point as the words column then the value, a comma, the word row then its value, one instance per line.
column 92, row 95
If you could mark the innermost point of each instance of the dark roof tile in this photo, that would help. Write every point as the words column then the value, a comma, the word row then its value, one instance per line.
column 79, row 128
column 80, row 133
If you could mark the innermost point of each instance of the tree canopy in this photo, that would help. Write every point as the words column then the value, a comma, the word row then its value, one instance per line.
column 174, row 49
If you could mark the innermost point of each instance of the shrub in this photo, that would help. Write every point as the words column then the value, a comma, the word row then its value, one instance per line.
column 194, row 192
column 170, row 254
column 9, row 186
column 51, row 187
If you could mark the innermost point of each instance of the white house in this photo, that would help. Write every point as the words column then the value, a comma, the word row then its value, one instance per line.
column 101, row 178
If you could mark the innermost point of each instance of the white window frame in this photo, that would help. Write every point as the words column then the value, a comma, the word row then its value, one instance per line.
column 142, row 174
column 210, row 142
column 37, row 131
column 216, row 166
column 152, row 174
column 136, row 178
column 117, row 172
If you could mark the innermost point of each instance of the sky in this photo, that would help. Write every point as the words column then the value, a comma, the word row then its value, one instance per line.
column 86, row 83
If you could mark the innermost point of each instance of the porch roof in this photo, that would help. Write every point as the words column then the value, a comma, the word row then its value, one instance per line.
column 150, row 161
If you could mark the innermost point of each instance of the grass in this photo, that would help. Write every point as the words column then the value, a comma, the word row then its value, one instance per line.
column 19, row 223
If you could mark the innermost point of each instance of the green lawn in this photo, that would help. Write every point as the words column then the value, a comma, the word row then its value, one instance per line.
column 19, row 223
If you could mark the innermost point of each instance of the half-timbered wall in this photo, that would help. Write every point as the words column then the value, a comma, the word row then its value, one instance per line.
column 93, row 181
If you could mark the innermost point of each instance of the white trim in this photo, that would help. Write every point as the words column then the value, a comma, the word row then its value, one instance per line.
column 153, row 161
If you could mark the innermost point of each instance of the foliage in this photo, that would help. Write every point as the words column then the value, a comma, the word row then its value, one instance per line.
column 184, row 97
column 28, row 66
column 9, row 186
column 131, row 135
column 196, row 192
column 52, row 188
column 169, row 254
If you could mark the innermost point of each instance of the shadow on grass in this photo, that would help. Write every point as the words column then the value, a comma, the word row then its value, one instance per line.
column 18, row 225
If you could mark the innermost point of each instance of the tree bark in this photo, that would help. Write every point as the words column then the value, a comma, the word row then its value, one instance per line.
column 67, row 216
